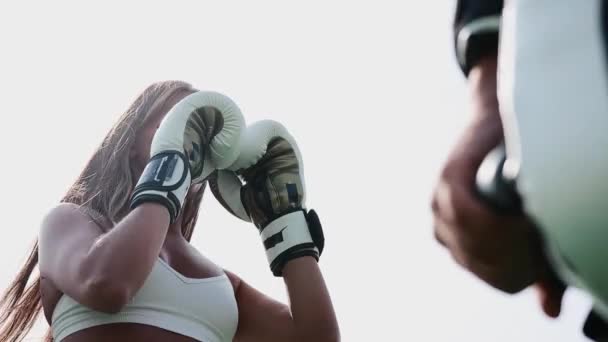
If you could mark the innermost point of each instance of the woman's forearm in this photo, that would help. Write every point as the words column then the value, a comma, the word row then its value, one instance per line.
column 311, row 307
column 124, row 256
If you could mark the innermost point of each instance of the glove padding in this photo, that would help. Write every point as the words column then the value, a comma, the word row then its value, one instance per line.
column 201, row 133
column 273, row 195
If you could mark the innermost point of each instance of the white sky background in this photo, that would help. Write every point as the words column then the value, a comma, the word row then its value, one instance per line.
column 370, row 91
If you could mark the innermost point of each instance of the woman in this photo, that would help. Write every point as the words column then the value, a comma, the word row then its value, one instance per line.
column 146, row 261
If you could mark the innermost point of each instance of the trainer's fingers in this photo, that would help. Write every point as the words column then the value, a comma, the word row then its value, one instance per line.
column 446, row 236
column 457, row 205
column 550, row 295
column 438, row 237
column 443, row 233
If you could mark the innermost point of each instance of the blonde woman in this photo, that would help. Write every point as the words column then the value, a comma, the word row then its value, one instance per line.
column 114, row 256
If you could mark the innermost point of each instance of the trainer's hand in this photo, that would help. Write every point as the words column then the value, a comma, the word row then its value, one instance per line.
column 504, row 251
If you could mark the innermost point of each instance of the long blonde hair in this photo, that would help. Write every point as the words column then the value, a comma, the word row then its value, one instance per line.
column 102, row 190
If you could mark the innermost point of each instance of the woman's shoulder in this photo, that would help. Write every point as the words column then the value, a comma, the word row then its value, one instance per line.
column 64, row 215
column 61, row 212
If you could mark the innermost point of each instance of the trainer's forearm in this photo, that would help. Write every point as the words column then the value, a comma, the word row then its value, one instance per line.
column 482, row 87
column 311, row 308
column 125, row 255
column 484, row 131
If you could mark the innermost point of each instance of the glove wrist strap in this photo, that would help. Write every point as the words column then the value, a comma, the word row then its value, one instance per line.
column 165, row 180
column 288, row 237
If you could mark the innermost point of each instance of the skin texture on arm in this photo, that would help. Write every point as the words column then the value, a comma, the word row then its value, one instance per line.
column 310, row 316
column 101, row 270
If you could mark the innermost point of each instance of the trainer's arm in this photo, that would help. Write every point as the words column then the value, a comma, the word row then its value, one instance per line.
column 101, row 270
column 476, row 33
column 310, row 316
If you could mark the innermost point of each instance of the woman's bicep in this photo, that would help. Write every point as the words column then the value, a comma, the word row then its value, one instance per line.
column 261, row 318
column 66, row 236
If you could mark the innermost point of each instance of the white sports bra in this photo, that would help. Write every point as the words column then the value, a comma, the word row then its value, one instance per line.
column 203, row 309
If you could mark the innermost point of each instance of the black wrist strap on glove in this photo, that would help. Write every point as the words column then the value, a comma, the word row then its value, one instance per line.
column 476, row 31
column 165, row 180
column 316, row 230
column 290, row 236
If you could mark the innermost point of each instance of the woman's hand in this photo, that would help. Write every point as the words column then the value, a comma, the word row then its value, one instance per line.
column 273, row 196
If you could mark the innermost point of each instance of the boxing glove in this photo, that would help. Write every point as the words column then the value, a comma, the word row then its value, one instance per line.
column 199, row 134
column 265, row 185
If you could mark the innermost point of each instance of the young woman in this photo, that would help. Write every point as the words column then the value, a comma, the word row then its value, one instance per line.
column 115, row 259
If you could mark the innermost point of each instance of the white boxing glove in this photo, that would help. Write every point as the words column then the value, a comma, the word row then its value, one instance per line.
column 200, row 134
column 273, row 194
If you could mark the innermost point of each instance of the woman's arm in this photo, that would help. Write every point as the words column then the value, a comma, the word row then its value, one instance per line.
column 310, row 317
column 101, row 271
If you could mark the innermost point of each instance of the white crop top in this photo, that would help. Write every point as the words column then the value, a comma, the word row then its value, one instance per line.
column 203, row 309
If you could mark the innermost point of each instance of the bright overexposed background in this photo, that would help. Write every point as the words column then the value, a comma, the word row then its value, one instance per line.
column 369, row 89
